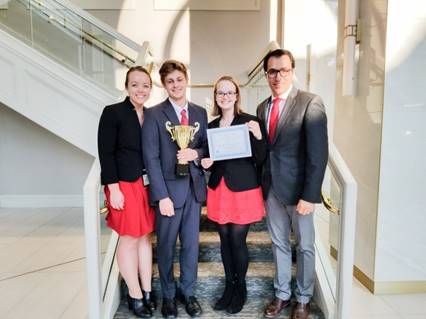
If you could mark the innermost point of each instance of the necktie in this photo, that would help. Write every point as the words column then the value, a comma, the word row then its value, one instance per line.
column 183, row 118
column 273, row 118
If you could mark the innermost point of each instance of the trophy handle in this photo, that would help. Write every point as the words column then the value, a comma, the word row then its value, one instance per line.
column 169, row 129
column 195, row 129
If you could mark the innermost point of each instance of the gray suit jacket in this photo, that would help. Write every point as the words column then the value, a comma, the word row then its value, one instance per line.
column 159, row 153
column 297, row 156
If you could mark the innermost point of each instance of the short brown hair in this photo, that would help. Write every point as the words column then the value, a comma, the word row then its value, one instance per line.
column 136, row 68
column 172, row 65
column 237, row 108
column 277, row 54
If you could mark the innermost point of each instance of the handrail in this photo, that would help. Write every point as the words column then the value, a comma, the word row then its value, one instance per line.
column 89, row 37
column 252, row 73
column 347, row 220
column 92, row 240
column 98, row 23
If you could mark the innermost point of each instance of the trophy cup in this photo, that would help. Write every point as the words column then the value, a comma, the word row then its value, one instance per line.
column 183, row 135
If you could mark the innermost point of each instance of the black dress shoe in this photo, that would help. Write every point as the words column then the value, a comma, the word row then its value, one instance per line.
column 139, row 308
column 169, row 308
column 192, row 306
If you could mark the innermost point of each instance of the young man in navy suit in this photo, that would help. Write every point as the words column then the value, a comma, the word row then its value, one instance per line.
column 177, row 199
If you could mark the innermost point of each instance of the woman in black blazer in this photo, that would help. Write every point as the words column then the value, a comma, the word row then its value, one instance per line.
column 234, row 197
column 124, row 177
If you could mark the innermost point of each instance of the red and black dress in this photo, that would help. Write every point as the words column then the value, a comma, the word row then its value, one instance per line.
column 234, row 194
column 120, row 156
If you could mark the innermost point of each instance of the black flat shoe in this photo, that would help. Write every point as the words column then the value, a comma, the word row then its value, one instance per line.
column 169, row 308
column 239, row 298
column 139, row 308
column 150, row 300
column 226, row 298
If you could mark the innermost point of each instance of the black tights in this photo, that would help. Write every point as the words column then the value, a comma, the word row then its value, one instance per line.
column 234, row 251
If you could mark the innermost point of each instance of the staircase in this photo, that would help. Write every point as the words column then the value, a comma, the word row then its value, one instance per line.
column 211, row 278
column 59, row 68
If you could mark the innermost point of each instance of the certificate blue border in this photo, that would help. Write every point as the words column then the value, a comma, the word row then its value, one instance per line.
column 243, row 150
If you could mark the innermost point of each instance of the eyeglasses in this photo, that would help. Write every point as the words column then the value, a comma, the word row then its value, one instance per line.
column 273, row 73
column 223, row 94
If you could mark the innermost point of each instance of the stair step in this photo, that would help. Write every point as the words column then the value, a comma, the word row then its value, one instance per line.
column 252, row 309
column 215, row 270
column 208, row 226
column 259, row 246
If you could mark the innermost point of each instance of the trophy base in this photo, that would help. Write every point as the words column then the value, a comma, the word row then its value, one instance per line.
column 182, row 170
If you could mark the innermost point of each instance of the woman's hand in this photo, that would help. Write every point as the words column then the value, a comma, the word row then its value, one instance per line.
column 206, row 162
column 254, row 128
column 166, row 207
column 116, row 198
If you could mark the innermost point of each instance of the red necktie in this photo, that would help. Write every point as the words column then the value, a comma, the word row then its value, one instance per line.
column 273, row 118
column 183, row 119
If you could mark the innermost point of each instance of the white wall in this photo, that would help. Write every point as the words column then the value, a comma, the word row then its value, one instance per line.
column 358, row 125
column 381, row 135
column 36, row 166
column 401, row 235
column 211, row 43
column 314, row 23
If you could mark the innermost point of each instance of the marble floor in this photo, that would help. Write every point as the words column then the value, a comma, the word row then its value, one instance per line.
column 42, row 270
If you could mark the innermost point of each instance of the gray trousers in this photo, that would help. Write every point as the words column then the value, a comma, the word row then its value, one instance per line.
column 281, row 219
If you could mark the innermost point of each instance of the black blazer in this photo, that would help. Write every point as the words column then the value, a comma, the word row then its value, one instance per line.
column 240, row 174
column 119, row 143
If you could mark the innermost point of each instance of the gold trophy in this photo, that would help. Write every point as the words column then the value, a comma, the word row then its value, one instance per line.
column 182, row 135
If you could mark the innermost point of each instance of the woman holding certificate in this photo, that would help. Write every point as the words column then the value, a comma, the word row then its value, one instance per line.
column 234, row 197
column 124, row 177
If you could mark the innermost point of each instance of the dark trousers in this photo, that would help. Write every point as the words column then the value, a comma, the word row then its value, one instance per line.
column 186, row 224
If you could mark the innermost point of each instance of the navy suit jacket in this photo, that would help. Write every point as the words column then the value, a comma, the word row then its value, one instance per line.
column 160, row 154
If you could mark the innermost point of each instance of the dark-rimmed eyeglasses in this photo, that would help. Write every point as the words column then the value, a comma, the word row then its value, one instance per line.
column 223, row 94
column 273, row 73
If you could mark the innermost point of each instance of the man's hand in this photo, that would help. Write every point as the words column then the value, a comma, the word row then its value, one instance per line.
column 304, row 207
column 116, row 198
column 187, row 154
column 166, row 207
column 206, row 162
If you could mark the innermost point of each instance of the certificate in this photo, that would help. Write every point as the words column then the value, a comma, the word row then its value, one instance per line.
column 229, row 142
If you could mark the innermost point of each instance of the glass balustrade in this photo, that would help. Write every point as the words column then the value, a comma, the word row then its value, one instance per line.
column 69, row 38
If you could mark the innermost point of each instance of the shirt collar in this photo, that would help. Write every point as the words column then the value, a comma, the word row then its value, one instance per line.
column 284, row 96
column 177, row 108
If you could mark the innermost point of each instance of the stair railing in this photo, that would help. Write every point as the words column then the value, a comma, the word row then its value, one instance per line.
column 339, row 281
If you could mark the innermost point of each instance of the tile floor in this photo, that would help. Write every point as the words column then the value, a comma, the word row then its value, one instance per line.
column 42, row 270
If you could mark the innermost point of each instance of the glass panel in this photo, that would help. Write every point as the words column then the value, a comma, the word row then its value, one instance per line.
column 327, row 225
column 257, row 90
column 70, row 39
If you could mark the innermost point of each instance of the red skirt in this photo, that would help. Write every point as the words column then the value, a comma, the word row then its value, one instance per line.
column 137, row 218
column 225, row 206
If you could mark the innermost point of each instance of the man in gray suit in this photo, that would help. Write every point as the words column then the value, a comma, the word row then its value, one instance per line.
column 177, row 199
column 296, row 126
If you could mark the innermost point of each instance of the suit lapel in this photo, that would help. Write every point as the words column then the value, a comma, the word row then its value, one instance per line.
column 168, row 109
column 193, row 118
column 288, row 108
column 192, row 114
